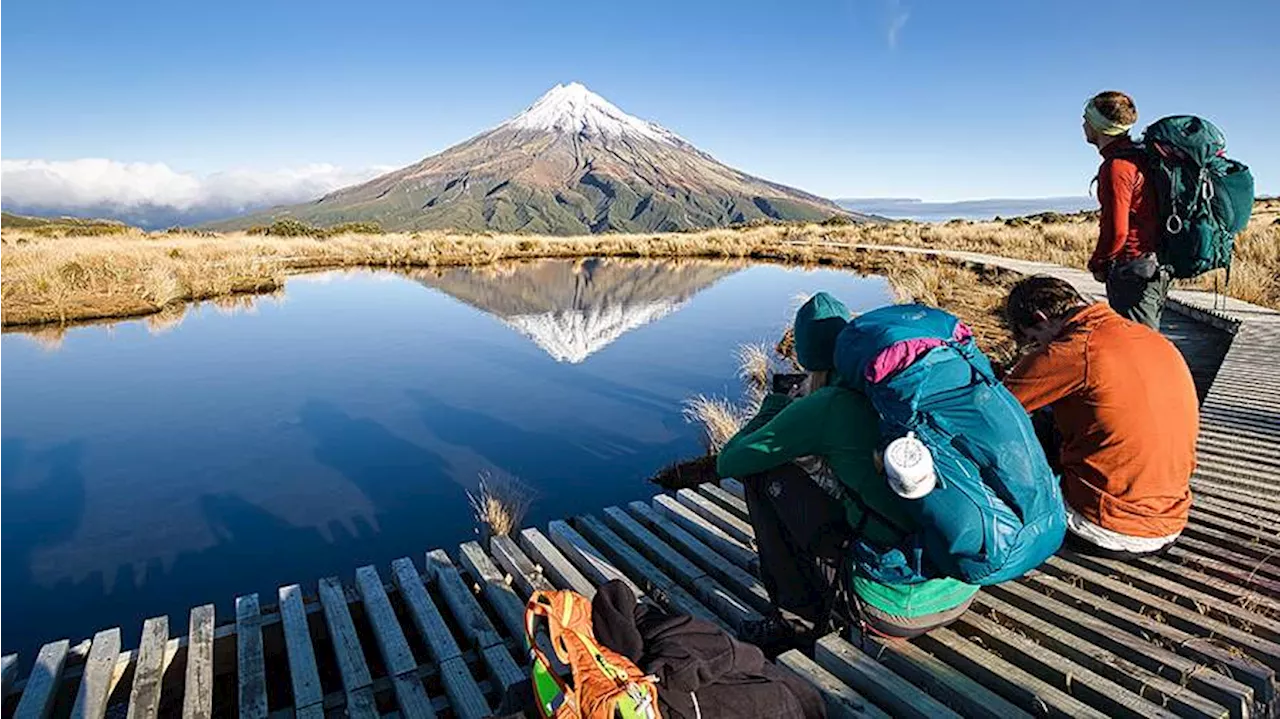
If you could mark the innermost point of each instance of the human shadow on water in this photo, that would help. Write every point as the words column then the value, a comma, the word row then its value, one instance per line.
column 581, row 474
column 416, row 509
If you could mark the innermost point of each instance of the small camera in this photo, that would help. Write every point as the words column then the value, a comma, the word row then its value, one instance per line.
column 786, row 383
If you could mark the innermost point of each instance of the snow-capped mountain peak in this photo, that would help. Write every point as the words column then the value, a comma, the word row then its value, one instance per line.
column 574, row 109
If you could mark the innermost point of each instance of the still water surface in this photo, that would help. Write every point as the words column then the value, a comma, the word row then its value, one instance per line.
column 153, row 465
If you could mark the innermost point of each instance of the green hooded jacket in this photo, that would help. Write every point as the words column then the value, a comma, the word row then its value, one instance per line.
column 842, row 427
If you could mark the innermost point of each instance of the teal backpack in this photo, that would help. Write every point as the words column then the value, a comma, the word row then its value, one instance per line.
column 996, row 512
column 1205, row 199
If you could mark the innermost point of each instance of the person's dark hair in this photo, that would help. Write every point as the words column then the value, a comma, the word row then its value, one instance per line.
column 1116, row 107
column 1041, row 294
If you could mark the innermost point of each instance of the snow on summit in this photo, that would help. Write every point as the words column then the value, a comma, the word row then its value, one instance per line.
column 573, row 109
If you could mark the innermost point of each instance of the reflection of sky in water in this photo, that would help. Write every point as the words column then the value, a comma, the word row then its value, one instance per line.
column 145, row 472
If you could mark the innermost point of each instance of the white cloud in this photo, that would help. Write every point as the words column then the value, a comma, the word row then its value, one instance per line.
column 898, row 16
column 72, row 186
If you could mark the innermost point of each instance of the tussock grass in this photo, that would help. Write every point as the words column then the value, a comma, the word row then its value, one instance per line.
column 718, row 417
column 755, row 369
column 499, row 504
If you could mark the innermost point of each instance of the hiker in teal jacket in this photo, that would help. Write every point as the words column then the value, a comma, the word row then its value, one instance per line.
column 809, row 469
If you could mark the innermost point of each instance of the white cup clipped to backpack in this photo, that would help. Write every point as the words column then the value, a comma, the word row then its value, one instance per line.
column 908, row 465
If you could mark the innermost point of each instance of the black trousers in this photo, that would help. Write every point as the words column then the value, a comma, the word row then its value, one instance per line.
column 801, row 536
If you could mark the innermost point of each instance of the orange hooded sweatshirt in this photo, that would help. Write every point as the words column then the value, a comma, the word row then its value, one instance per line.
column 1126, row 408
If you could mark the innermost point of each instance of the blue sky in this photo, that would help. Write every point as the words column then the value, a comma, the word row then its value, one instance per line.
column 867, row 98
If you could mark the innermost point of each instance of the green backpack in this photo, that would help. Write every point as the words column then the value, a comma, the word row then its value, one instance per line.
column 1205, row 199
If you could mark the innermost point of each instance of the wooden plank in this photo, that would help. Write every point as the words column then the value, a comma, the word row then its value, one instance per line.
column 841, row 700
column 526, row 576
column 1257, row 676
column 734, row 487
column 1058, row 671
column 144, row 699
column 462, row 603
column 299, row 649
column 705, row 588
column 430, row 623
column 727, row 522
column 467, row 614
column 95, row 684
column 38, row 694
column 411, row 696
column 1189, row 620
column 250, row 664
column 655, row 582
column 587, row 558
column 342, row 632
column 1020, row 687
column 496, row 588
column 876, row 682
column 8, row 671
column 554, row 565
column 1132, row 677
column 464, row 694
column 396, row 654
column 737, row 506
column 197, row 695
column 707, row 533
column 361, row 704
column 741, row 582
column 941, row 680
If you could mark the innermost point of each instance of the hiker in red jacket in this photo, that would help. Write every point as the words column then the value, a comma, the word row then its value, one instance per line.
column 1129, row 232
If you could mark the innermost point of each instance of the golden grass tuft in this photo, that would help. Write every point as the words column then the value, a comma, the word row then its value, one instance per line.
column 499, row 504
column 755, row 369
column 718, row 417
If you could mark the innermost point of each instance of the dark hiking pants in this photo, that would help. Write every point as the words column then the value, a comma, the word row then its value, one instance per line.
column 801, row 535
column 1136, row 290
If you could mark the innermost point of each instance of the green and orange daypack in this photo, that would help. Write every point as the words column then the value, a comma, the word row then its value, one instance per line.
column 605, row 684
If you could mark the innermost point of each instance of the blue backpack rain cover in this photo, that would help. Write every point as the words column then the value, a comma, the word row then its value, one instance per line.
column 996, row 512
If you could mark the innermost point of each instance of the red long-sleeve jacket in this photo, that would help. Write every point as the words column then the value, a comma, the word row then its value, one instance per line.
column 1130, row 225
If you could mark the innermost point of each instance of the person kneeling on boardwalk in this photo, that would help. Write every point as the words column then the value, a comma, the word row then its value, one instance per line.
column 807, row 462
column 1124, row 407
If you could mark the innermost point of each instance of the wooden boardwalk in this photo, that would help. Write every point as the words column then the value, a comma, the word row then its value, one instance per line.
column 1193, row 634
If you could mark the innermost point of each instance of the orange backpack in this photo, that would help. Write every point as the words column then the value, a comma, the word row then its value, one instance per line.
column 606, row 685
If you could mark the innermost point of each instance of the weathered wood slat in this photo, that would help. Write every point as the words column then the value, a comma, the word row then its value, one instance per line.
column 1189, row 620
column 467, row 613
column 737, row 506
column 304, row 677
column 465, row 697
column 356, row 679
column 734, row 487
column 197, row 695
column 426, row 617
column 707, row 533
column 1058, row 671
column 587, row 558
column 502, row 598
column 876, row 682
column 941, row 680
column 42, row 684
column 1245, row 590
column 705, row 588
column 1018, row 686
column 526, row 576
column 8, row 671
column 95, row 683
column 726, row 521
column 1257, row 676
column 665, row 589
column 250, row 662
column 1100, row 661
column 144, row 699
column 742, row 583
column 841, row 700
column 1250, row 567
column 554, row 565
column 396, row 654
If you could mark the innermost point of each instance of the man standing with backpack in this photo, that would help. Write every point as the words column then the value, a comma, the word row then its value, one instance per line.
column 1129, row 233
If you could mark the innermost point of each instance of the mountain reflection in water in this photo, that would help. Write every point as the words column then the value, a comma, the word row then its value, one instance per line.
column 152, row 465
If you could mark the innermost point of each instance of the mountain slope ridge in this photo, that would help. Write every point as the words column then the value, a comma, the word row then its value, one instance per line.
column 571, row 163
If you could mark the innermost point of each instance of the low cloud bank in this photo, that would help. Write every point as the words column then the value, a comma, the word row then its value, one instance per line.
column 154, row 195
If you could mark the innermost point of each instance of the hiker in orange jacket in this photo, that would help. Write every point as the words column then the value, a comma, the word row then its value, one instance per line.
column 1125, row 406
column 1129, row 229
